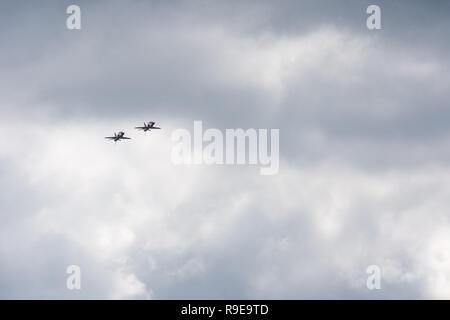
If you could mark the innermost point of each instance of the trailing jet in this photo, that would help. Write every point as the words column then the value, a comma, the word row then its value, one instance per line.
column 148, row 126
column 118, row 136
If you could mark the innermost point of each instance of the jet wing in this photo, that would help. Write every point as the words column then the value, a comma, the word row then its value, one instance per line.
column 155, row 128
column 124, row 138
column 112, row 138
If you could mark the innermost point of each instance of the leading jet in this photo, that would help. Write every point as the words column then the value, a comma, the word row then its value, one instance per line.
column 118, row 136
column 148, row 126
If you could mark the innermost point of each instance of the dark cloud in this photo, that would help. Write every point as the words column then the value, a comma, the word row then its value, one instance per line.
column 342, row 96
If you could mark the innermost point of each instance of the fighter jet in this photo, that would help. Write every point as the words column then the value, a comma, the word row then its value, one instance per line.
column 148, row 126
column 118, row 136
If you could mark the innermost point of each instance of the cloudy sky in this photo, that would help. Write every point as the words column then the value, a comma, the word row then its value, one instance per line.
column 364, row 178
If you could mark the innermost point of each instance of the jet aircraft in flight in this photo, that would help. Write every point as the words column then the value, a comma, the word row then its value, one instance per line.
column 118, row 136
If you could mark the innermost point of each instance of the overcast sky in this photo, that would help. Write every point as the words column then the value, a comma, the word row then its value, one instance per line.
column 364, row 178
